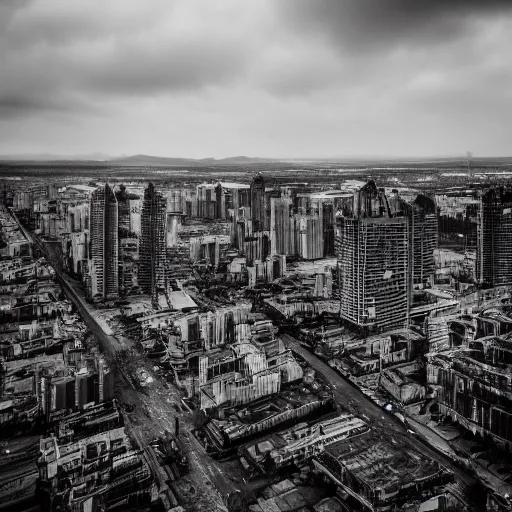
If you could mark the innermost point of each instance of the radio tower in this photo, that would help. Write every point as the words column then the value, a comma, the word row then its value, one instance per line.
column 469, row 156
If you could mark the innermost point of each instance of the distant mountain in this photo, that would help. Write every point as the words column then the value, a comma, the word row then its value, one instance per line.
column 148, row 160
column 102, row 159
column 142, row 160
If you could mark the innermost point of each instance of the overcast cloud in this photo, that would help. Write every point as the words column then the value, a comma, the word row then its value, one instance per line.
column 274, row 78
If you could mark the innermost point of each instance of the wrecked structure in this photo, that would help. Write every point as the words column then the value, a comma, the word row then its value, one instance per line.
column 301, row 401
column 248, row 370
column 299, row 443
column 404, row 383
column 375, row 475
column 89, row 462
column 472, row 385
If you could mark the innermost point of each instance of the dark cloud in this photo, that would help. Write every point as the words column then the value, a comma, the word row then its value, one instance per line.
column 153, row 69
column 8, row 9
column 362, row 25
column 39, row 23
column 12, row 105
column 283, row 78
column 114, row 50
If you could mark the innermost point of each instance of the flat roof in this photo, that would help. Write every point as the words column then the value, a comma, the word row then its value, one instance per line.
column 85, row 188
column 180, row 300
column 379, row 463
column 327, row 194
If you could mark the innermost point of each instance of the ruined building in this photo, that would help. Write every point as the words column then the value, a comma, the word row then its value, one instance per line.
column 372, row 247
column 90, row 464
column 378, row 476
column 245, row 372
column 104, row 247
column 473, row 386
column 153, row 242
column 494, row 236
column 300, row 442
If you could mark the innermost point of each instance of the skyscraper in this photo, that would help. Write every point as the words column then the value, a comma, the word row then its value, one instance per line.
column 494, row 237
column 423, row 237
column 104, row 247
column 123, row 206
column 372, row 247
column 282, row 236
column 258, row 207
column 152, row 245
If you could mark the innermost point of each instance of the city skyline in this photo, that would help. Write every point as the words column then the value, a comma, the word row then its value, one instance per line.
column 255, row 256
column 290, row 80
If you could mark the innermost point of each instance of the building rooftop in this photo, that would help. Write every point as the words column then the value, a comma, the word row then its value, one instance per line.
column 83, row 188
column 379, row 464
column 181, row 300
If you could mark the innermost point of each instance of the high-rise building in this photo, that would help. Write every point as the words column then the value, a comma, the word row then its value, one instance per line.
column 104, row 247
column 372, row 248
column 123, row 208
column 153, row 242
column 494, row 238
column 423, row 236
column 281, row 233
column 310, row 235
column 258, row 206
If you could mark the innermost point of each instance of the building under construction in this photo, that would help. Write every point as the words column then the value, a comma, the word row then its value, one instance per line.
column 153, row 242
column 494, row 237
column 373, row 261
column 104, row 247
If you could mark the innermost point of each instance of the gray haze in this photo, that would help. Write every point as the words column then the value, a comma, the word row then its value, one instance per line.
column 287, row 78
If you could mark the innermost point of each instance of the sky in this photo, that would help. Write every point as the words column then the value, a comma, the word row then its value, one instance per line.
column 262, row 78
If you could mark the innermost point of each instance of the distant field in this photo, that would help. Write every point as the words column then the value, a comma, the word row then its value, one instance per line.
column 425, row 174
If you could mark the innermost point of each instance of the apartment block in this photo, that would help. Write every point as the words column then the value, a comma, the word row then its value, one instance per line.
column 373, row 262
column 494, row 237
